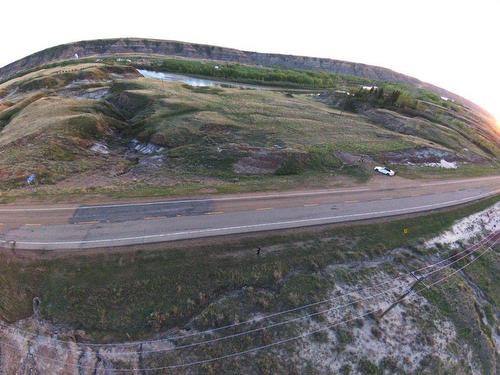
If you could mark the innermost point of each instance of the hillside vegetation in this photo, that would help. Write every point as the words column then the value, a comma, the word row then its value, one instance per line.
column 98, row 126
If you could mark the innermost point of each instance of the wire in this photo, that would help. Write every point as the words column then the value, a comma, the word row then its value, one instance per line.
column 460, row 269
column 243, row 333
column 287, row 321
column 189, row 364
column 280, row 342
column 253, row 320
column 307, row 315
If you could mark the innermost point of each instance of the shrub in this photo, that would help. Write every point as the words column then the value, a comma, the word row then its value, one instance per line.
column 344, row 337
column 292, row 165
column 367, row 367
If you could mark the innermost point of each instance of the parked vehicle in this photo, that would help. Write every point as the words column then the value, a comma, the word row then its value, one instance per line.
column 385, row 170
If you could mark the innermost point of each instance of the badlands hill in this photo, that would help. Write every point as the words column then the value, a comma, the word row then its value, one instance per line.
column 145, row 117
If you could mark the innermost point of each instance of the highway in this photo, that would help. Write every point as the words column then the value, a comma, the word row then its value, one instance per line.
column 66, row 227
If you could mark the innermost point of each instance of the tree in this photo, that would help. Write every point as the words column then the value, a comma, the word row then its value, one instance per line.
column 380, row 93
column 393, row 98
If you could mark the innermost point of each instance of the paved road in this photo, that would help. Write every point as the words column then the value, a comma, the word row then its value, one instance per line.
column 78, row 227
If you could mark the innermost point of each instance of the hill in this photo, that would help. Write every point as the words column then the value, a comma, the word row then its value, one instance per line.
column 112, row 47
column 126, row 119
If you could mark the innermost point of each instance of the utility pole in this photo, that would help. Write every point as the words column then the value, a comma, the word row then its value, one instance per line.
column 403, row 296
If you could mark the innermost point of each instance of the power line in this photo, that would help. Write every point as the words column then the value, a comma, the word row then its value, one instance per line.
column 227, row 337
column 255, row 349
column 294, row 319
column 285, row 311
column 429, row 273
column 243, row 333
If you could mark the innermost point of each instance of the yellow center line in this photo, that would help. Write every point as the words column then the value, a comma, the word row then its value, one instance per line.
column 214, row 213
column 152, row 217
column 33, row 225
column 264, row 209
column 88, row 222
column 311, row 205
column 385, row 198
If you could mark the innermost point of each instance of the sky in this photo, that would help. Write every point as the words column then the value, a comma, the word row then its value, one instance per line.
column 453, row 44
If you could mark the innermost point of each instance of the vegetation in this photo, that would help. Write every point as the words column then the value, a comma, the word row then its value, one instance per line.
column 248, row 74
column 465, row 317
column 185, row 122
column 136, row 294
column 217, row 138
column 113, row 296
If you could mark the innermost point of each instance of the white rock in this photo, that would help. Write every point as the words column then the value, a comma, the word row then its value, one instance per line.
column 100, row 148
column 470, row 227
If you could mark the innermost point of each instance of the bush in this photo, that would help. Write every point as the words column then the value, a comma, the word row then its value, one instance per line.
column 346, row 370
column 294, row 164
column 344, row 337
column 84, row 126
column 251, row 74
column 322, row 158
column 367, row 367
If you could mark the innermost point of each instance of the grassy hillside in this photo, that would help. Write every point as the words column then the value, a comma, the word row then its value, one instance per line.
column 80, row 127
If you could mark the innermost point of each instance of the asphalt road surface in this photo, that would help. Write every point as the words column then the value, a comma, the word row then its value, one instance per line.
column 119, row 224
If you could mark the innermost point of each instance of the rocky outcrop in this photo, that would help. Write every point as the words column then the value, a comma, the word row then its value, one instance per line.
column 172, row 48
column 107, row 47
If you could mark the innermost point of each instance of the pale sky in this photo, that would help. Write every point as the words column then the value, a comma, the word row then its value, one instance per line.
column 453, row 44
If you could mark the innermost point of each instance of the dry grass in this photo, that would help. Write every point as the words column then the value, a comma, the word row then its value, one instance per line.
column 47, row 127
column 47, row 73
column 43, row 114
column 51, row 136
column 264, row 118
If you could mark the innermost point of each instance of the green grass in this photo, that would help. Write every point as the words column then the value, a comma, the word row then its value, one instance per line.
column 248, row 74
column 466, row 315
column 367, row 367
column 301, row 288
column 112, row 296
column 485, row 273
column 205, row 132
column 194, row 125
column 344, row 337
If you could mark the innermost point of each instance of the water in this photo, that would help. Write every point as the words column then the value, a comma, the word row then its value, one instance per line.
column 196, row 82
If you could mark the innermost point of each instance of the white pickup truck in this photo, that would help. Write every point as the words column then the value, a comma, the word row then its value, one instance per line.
column 385, row 170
